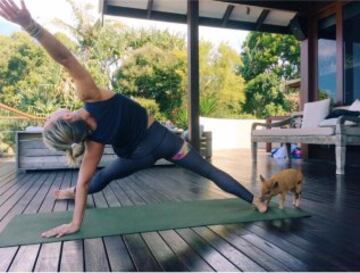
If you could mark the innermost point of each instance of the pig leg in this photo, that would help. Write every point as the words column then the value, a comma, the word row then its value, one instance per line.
column 297, row 195
column 282, row 200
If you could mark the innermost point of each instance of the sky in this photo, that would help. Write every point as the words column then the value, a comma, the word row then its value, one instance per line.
column 45, row 11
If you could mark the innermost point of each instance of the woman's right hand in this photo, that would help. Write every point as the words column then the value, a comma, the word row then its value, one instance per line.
column 11, row 12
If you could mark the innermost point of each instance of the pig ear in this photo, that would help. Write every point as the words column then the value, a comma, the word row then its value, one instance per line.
column 262, row 178
column 275, row 185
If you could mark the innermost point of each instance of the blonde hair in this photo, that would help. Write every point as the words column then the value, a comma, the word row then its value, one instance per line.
column 67, row 136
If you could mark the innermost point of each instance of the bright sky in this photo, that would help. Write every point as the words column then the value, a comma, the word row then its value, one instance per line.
column 44, row 11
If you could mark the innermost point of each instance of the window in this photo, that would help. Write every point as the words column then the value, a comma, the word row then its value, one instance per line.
column 327, row 58
column 351, row 15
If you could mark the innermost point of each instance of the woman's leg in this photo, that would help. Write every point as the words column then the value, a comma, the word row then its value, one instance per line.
column 118, row 168
column 174, row 148
column 192, row 160
column 195, row 162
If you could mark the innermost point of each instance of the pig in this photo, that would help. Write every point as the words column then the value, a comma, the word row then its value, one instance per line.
column 281, row 183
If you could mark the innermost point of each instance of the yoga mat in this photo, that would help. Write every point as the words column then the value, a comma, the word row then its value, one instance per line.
column 26, row 229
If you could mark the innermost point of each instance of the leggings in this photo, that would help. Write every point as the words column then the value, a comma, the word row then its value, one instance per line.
column 158, row 143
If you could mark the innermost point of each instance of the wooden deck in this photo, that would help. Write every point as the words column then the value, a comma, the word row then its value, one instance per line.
column 328, row 241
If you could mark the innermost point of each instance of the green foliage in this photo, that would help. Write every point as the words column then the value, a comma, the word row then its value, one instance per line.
column 152, row 73
column 264, row 96
column 152, row 107
column 269, row 59
column 29, row 79
column 220, row 86
column 208, row 105
column 180, row 118
column 265, row 52
column 137, row 38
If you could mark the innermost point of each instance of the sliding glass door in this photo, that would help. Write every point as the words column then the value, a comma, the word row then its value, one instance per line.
column 351, row 28
column 327, row 58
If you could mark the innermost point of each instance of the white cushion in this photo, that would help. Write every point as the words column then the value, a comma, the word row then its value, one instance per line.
column 314, row 113
column 355, row 106
column 332, row 122
column 319, row 131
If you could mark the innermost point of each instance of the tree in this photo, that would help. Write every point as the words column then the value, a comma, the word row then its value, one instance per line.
column 230, row 84
column 221, row 88
column 152, row 73
column 265, row 52
column 264, row 96
column 29, row 79
column 272, row 58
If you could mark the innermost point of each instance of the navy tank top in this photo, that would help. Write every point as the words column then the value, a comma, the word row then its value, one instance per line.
column 120, row 121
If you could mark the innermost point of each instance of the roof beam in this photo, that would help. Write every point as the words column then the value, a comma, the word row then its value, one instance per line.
column 227, row 14
column 149, row 8
column 181, row 18
column 102, row 6
column 303, row 7
column 289, row 5
column 261, row 19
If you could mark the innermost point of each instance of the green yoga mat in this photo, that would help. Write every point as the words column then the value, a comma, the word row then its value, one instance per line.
column 26, row 229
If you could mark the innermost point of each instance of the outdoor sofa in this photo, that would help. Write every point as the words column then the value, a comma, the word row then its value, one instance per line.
column 313, row 127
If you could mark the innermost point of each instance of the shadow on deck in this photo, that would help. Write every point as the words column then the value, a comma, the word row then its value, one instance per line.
column 328, row 241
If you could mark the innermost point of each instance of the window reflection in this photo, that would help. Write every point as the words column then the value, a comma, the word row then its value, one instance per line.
column 327, row 58
column 351, row 14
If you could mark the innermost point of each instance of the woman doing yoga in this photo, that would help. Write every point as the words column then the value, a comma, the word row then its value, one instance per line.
column 109, row 118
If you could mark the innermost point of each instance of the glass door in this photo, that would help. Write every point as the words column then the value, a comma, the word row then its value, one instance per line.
column 351, row 17
column 326, row 60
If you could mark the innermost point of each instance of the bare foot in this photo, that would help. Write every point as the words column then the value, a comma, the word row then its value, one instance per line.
column 68, row 193
column 260, row 206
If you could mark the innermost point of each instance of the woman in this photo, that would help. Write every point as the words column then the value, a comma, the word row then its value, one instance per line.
column 109, row 118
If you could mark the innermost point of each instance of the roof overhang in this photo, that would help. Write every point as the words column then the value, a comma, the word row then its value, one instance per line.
column 242, row 15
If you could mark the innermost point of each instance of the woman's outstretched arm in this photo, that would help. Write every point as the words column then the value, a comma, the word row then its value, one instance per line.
column 88, row 166
column 85, row 85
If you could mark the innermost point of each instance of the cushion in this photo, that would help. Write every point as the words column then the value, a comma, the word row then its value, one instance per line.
column 315, row 112
column 355, row 106
column 332, row 122
column 343, row 112
column 295, row 132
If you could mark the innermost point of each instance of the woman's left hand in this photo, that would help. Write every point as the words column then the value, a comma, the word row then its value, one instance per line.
column 60, row 231
column 11, row 12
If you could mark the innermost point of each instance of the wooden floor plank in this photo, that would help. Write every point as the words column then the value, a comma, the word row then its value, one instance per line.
column 208, row 253
column 163, row 253
column 196, row 263
column 118, row 255
column 49, row 254
column 346, row 259
column 185, row 253
column 264, row 259
column 26, row 255
column 9, row 256
column 243, row 262
column 94, row 249
column 316, row 259
column 140, row 253
column 327, row 241
column 144, row 261
column 234, row 255
column 20, row 185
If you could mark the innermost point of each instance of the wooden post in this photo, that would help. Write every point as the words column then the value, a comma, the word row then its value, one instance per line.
column 308, row 85
column 193, row 70
column 339, row 54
